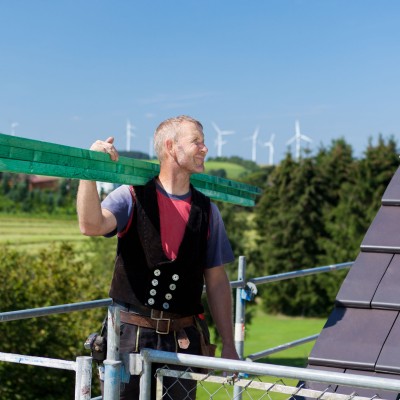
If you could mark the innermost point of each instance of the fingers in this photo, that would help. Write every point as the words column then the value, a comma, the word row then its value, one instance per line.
column 106, row 146
column 231, row 378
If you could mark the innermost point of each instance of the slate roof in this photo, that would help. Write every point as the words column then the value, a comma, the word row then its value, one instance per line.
column 362, row 334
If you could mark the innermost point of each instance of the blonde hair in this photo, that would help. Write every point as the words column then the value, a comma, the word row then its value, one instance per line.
column 170, row 129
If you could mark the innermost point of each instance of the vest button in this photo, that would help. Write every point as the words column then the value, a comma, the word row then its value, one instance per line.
column 172, row 286
column 157, row 272
column 175, row 277
column 168, row 296
column 165, row 306
column 153, row 292
column 150, row 301
column 154, row 282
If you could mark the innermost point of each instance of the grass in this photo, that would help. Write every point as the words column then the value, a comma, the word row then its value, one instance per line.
column 33, row 233
column 267, row 331
column 233, row 171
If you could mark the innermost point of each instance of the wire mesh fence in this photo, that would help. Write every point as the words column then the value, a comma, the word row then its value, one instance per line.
column 182, row 376
column 173, row 384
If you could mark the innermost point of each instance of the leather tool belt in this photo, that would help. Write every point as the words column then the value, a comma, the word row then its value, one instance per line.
column 157, row 321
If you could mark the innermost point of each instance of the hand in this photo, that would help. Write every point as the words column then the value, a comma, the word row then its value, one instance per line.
column 106, row 146
column 230, row 352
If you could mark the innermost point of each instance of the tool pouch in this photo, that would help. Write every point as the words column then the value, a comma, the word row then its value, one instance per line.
column 207, row 348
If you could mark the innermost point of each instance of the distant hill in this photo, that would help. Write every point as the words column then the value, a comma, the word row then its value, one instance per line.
column 233, row 171
column 134, row 154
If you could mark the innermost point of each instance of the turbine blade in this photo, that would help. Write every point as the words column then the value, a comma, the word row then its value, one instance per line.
column 306, row 138
column 290, row 141
column 216, row 127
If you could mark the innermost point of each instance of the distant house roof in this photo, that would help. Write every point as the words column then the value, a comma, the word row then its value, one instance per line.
column 43, row 182
column 39, row 178
column 362, row 334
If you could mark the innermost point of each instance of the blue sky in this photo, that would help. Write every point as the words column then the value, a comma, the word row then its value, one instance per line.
column 72, row 72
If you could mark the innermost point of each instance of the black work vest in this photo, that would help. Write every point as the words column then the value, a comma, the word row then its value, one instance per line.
column 142, row 271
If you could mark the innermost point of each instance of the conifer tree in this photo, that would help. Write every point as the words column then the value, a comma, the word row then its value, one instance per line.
column 290, row 222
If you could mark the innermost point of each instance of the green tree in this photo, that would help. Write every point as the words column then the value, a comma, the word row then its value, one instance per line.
column 337, row 169
column 290, row 221
column 54, row 276
column 218, row 172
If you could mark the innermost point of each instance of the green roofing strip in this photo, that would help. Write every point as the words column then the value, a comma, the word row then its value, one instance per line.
column 21, row 155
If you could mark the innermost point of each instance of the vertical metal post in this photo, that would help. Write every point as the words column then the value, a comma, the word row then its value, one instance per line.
column 240, row 319
column 112, row 365
column 159, row 387
column 112, row 379
column 113, row 333
column 83, row 378
column 145, row 378
column 240, row 309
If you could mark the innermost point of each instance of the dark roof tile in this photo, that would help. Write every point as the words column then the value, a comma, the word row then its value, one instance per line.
column 392, row 192
column 384, row 233
column 352, row 338
column 388, row 360
column 364, row 277
column 387, row 295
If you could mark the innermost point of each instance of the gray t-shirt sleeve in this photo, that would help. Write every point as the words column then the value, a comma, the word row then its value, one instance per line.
column 119, row 202
column 219, row 250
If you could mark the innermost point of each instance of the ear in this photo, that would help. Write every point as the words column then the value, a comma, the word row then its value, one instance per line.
column 169, row 145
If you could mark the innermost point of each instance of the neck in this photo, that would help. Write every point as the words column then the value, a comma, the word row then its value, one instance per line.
column 176, row 184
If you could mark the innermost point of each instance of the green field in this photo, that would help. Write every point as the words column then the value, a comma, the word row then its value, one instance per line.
column 233, row 171
column 34, row 233
column 267, row 331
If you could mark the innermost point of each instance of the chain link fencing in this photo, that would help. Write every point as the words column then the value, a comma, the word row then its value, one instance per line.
column 179, row 378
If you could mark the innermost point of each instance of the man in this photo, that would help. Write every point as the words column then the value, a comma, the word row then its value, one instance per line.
column 170, row 240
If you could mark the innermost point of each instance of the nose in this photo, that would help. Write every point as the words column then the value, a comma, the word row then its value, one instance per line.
column 204, row 149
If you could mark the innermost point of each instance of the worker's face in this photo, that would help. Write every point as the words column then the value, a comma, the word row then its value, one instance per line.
column 189, row 148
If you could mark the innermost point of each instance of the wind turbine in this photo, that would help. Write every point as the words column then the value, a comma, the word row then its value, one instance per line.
column 13, row 126
column 298, row 137
column 151, row 148
column 219, row 142
column 129, row 135
column 270, row 146
column 253, row 138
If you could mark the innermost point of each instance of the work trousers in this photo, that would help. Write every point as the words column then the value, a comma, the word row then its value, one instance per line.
column 134, row 338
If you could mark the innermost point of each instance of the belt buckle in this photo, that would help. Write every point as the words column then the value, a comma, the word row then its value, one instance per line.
column 158, row 322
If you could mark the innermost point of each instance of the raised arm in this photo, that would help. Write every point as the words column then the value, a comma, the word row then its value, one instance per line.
column 93, row 220
column 219, row 297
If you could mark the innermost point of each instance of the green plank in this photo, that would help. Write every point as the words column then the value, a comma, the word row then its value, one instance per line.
column 21, row 155
column 80, row 155
column 31, row 167
column 62, row 171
